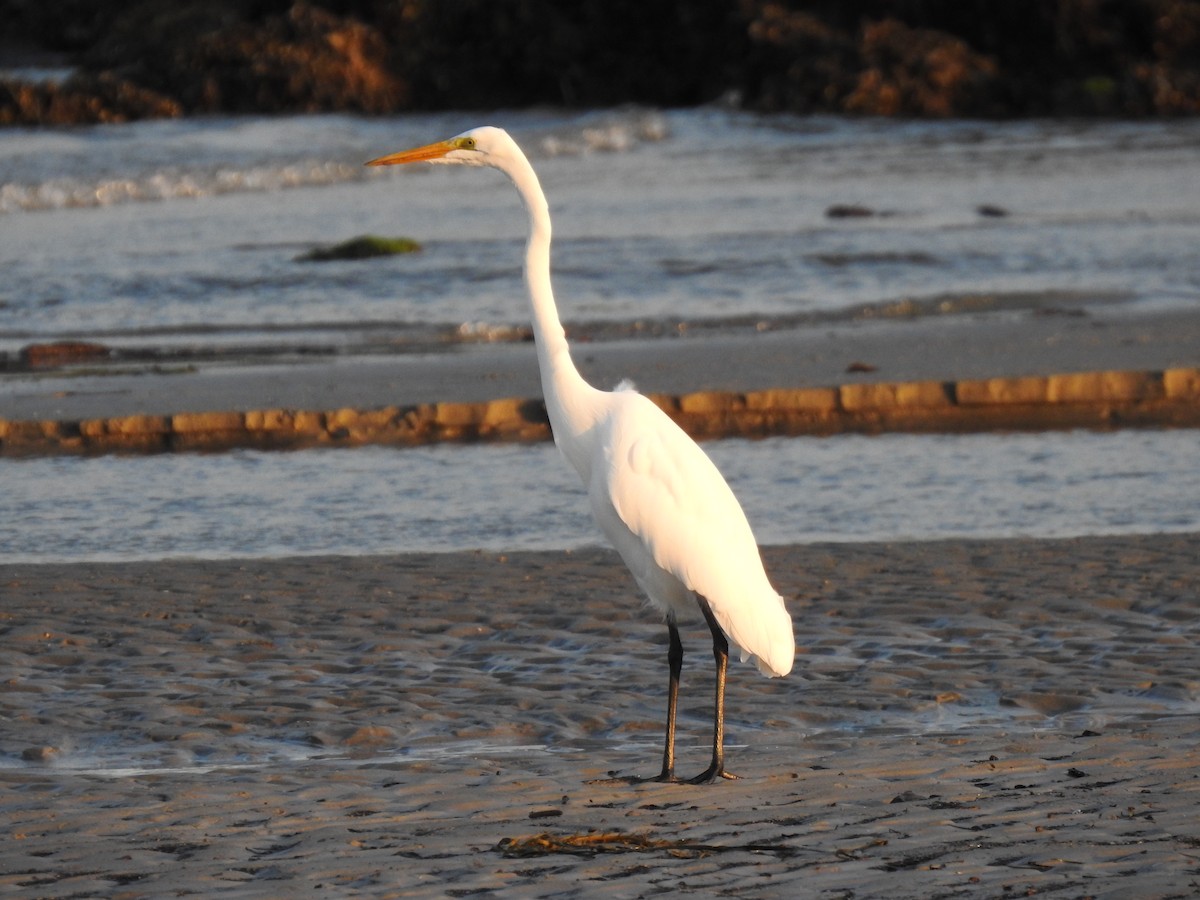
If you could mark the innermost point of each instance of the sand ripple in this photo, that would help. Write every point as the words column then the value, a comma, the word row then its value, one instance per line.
column 965, row 718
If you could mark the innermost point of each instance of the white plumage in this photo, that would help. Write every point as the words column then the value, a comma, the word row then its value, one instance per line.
column 655, row 494
column 665, row 506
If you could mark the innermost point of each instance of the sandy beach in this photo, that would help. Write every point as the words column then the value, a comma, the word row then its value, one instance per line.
column 989, row 718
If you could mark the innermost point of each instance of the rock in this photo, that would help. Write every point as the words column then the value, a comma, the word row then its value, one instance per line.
column 207, row 422
column 459, row 415
column 365, row 246
column 710, row 403
column 39, row 754
column 228, row 57
column 83, row 99
column 894, row 395
column 797, row 60
column 308, row 422
column 919, row 72
column 808, row 399
column 270, row 420
column 341, row 419
column 514, row 416
column 848, row 211
column 1097, row 387
column 923, row 394
column 859, row 397
column 62, row 353
column 903, row 57
column 138, row 425
column 985, row 391
column 1182, row 384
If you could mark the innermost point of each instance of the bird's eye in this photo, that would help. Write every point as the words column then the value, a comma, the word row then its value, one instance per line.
column 465, row 143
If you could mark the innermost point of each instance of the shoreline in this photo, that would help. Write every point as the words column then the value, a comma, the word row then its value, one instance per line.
column 1105, row 369
column 982, row 717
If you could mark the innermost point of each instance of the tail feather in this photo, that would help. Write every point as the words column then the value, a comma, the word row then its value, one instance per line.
column 768, row 639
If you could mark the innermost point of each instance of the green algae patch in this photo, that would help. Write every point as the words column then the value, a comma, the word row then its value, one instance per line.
column 366, row 246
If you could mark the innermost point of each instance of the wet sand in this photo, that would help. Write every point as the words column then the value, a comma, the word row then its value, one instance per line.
column 925, row 348
column 986, row 718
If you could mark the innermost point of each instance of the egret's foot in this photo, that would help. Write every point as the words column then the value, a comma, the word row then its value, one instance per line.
column 708, row 776
column 712, row 774
column 666, row 776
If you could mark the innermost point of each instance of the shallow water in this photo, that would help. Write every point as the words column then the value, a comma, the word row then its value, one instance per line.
column 795, row 490
column 186, row 233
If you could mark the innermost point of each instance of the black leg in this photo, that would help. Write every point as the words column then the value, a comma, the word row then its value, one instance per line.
column 716, row 769
column 675, row 661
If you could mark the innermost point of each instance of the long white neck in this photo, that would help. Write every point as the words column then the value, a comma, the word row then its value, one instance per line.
column 572, row 404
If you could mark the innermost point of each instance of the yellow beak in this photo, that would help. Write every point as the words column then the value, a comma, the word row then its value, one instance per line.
column 417, row 154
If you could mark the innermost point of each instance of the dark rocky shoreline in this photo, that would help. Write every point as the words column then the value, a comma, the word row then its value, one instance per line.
column 920, row 58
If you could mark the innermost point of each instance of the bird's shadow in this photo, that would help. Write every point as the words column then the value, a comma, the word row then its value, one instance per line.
column 630, row 780
column 615, row 780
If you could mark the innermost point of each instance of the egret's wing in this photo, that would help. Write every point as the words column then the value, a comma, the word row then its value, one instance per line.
column 670, row 495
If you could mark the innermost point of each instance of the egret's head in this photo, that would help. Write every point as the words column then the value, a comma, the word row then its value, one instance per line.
column 485, row 146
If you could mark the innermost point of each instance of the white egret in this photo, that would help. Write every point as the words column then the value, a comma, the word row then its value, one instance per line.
column 654, row 493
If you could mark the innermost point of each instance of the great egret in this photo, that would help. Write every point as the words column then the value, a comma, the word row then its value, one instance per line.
column 655, row 494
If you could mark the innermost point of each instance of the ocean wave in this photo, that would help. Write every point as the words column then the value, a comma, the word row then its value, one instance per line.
column 242, row 165
column 612, row 133
column 170, row 184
